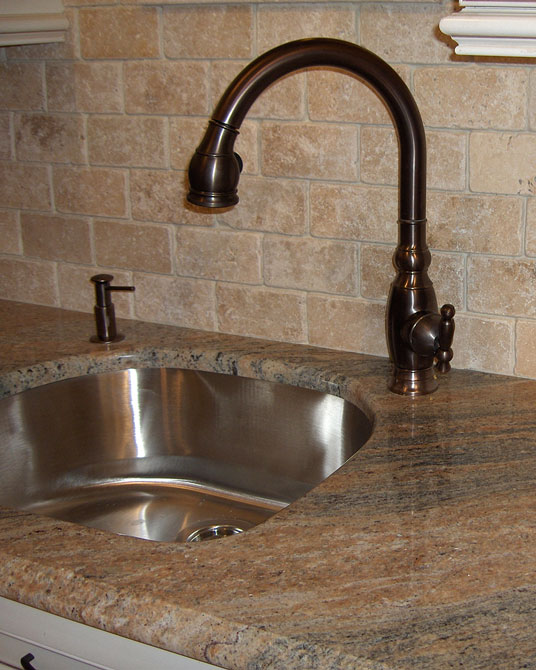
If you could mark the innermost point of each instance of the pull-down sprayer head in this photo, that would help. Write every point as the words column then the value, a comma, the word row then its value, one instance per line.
column 214, row 169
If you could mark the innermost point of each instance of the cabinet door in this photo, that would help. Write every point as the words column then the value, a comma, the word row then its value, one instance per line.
column 73, row 646
column 12, row 649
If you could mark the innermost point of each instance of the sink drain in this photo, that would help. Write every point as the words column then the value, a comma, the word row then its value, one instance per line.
column 213, row 532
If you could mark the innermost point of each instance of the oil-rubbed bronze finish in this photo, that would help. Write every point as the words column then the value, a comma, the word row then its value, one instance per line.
column 105, row 310
column 416, row 332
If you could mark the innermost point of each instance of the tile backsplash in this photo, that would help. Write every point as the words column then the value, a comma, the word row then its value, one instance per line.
column 96, row 134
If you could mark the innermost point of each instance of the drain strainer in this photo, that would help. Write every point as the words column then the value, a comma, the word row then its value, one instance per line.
column 213, row 532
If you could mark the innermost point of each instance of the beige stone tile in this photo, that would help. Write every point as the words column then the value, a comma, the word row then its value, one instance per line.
column 166, row 87
column 179, row 301
column 60, row 81
column 132, row 141
column 247, row 146
column 335, row 96
column 28, row 281
column 84, row 87
column 261, row 312
column 56, row 238
column 525, row 348
column 10, row 239
column 22, row 86
column 532, row 99
column 318, row 150
column 446, row 159
column 311, row 264
column 530, row 241
column 24, row 186
column 376, row 270
column 119, row 32
column 447, row 272
column 472, row 97
column 77, row 291
column 133, row 246
column 186, row 134
column 332, row 96
column 504, row 286
column 276, row 25
column 378, row 155
column 5, row 137
column 445, row 153
column 160, row 196
column 502, row 163
column 155, row 195
column 209, row 31
column 472, row 223
column 43, row 52
column 56, row 138
column 399, row 45
column 285, row 99
column 347, row 324
column 210, row 253
column 483, row 344
column 352, row 212
column 271, row 205
column 99, row 191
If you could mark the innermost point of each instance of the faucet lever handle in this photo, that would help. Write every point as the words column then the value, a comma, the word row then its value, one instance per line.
column 446, row 334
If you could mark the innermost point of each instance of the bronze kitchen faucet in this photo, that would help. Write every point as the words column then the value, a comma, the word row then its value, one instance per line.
column 418, row 334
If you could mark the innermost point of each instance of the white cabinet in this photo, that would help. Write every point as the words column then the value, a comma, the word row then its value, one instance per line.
column 32, row 21
column 60, row 644
column 13, row 649
column 493, row 28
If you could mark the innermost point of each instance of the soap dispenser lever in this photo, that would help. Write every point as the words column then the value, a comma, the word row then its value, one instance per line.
column 105, row 310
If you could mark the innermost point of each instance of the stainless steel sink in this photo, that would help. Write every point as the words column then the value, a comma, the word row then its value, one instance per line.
column 170, row 455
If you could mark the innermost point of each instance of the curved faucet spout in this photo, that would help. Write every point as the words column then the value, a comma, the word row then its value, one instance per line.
column 222, row 177
column 214, row 172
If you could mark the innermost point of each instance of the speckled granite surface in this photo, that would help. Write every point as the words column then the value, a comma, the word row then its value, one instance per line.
column 419, row 553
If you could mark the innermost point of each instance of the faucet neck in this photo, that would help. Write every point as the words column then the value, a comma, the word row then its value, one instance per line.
column 356, row 60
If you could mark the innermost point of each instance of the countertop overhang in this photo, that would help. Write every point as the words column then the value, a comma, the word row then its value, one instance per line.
column 420, row 552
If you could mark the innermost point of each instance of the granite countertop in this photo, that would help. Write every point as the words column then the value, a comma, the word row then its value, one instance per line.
column 420, row 552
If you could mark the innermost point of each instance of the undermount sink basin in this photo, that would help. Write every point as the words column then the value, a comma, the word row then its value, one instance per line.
column 170, row 455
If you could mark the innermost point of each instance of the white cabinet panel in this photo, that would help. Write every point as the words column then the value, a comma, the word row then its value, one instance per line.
column 32, row 21
column 493, row 28
column 13, row 649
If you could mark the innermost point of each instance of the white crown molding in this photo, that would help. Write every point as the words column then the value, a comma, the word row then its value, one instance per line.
column 32, row 22
column 493, row 28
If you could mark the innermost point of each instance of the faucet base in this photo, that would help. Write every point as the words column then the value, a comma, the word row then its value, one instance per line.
column 100, row 340
column 413, row 382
